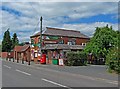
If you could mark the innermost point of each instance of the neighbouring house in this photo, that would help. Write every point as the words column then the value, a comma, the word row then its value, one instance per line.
column 22, row 53
column 56, row 43
column 16, row 52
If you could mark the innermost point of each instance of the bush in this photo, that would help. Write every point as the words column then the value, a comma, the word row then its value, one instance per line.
column 113, row 60
column 76, row 59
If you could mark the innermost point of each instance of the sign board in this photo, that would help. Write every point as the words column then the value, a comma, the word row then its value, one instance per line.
column 61, row 62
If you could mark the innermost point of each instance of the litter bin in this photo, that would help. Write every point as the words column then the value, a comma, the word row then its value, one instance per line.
column 55, row 61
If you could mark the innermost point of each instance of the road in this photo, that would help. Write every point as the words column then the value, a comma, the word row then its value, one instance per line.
column 21, row 75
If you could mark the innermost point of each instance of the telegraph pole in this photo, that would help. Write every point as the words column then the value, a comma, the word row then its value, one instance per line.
column 41, row 35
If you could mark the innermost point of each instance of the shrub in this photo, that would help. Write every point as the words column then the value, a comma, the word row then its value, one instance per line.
column 113, row 60
column 76, row 59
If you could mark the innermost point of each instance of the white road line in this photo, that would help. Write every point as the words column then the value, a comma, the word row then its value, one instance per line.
column 7, row 66
column 53, row 82
column 108, row 81
column 23, row 72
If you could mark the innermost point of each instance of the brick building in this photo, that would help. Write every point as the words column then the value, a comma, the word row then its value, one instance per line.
column 22, row 53
column 56, row 42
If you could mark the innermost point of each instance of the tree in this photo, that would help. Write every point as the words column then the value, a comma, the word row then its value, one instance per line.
column 6, row 42
column 15, row 40
column 103, row 39
column 0, row 48
column 113, row 56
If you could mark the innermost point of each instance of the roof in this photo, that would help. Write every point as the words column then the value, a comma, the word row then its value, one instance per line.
column 24, row 48
column 63, row 46
column 21, row 48
column 17, row 48
column 61, row 32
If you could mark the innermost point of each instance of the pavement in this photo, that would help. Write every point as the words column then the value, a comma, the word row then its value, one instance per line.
column 38, row 75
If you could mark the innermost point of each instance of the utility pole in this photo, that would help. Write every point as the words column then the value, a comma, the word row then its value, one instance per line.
column 41, row 36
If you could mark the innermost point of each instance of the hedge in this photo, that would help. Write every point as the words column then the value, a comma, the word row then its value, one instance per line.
column 76, row 59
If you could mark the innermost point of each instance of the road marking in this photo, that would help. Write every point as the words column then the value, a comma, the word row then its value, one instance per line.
column 7, row 66
column 109, row 81
column 84, row 76
column 55, row 83
column 98, row 65
column 23, row 72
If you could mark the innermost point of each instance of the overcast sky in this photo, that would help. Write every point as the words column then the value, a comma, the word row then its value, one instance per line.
column 23, row 17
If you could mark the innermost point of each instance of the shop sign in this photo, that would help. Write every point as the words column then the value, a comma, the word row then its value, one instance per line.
column 61, row 62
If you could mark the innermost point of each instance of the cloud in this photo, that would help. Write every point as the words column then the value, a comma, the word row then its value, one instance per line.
column 54, row 14
column 89, row 29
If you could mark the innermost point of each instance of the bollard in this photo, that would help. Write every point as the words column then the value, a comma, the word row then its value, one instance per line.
column 22, row 61
column 13, row 59
column 17, row 61
column 28, row 62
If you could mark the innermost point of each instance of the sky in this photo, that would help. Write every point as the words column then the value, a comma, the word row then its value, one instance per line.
column 23, row 17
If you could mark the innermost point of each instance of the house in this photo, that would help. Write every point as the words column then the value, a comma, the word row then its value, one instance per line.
column 16, row 52
column 22, row 53
column 56, row 43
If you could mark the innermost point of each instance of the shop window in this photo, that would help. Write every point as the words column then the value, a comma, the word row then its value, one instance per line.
column 35, row 54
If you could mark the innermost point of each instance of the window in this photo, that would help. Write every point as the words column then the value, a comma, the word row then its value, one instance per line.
column 39, row 40
column 61, row 42
column 71, row 43
column 83, row 44
column 35, row 54
column 32, row 41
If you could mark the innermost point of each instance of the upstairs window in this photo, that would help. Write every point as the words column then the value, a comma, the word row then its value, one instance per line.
column 83, row 44
column 32, row 41
column 61, row 42
column 71, row 43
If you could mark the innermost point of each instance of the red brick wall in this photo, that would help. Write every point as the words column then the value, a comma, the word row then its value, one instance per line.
column 79, row 41
column 4, row 54
column 65, row 40
column 12, row 55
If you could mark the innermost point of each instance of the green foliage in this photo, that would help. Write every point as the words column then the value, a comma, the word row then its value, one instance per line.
column 103, row 39
column 15, row 40
column 6, row 42
column 0, row 48
column 113, row 60
column 76, row 59
column 113, row 56
column 105, row 44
